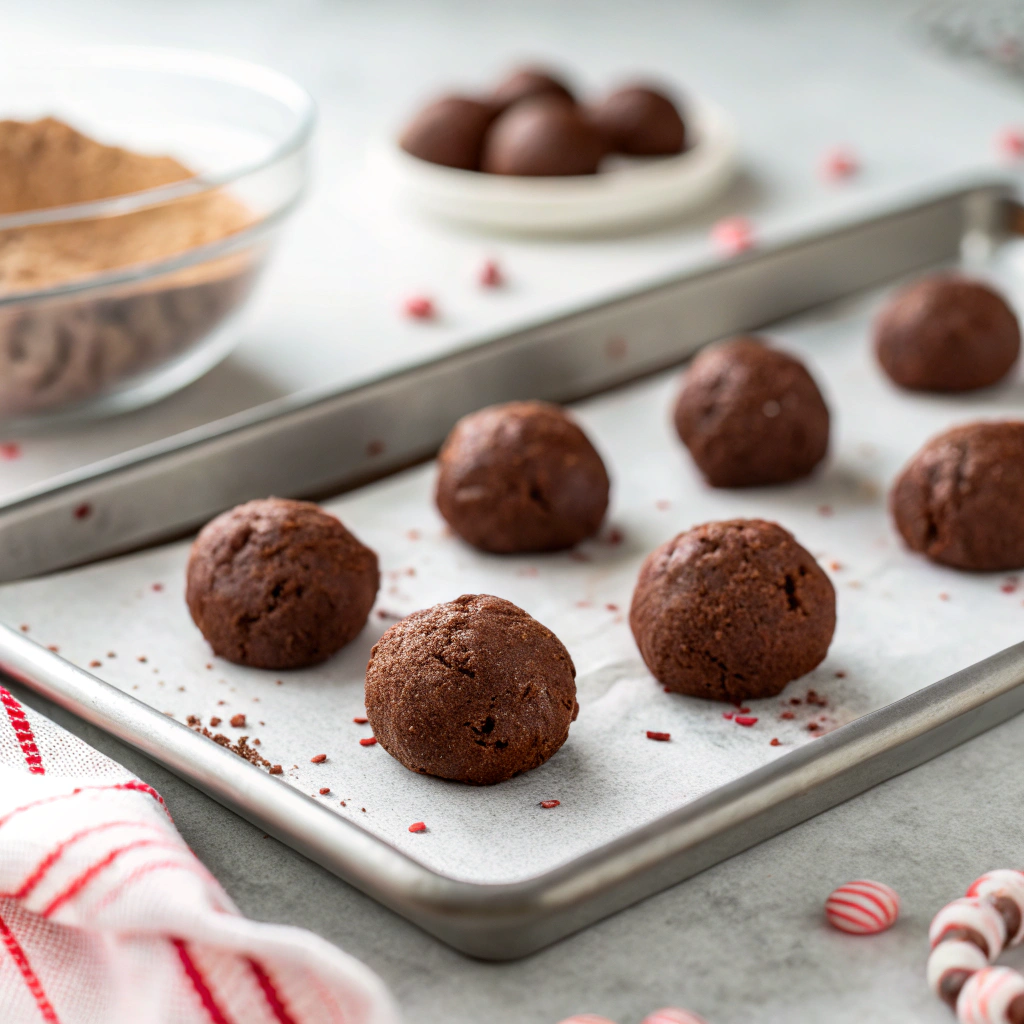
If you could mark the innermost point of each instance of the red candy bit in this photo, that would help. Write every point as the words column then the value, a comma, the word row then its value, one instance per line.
column 662, row 505
column 1009, row 587
column 238, row 721
column 825, row 510
column 743, row 711
column 862, row 908
column 417, row 826
column 318, row 759
column 729, row 715
column 943, row 596
column 1010, row 143
column 615, row 536
column 775, row 742
column 615, row 349
column 368, row 741
column 672, row 1015
column 550, row 803
column 733, row 235
column 158, row 587
column 10, row 450
column 324, row 790
column 419, row 307
column 490, row 275
column 787, row 715
column 611, row 607
column 83, row 511
column 360, row 720
column 839, row 164
column 813, row 727
column 746, row 721
column 661, row 737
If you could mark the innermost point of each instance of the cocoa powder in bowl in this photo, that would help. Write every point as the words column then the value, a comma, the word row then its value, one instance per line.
column 66, row 350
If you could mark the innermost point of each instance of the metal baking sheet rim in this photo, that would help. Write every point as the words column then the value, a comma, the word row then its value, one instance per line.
column 511, row 920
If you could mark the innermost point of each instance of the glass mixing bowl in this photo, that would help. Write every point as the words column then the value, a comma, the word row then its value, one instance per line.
column 99, row 343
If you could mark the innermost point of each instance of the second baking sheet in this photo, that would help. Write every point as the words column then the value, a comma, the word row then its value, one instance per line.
column 902, row 625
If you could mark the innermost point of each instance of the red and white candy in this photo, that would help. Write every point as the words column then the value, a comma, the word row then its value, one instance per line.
column 993, row 995
column 1003, row 884
column 671, row 1015
column 862, row 907
column 950, row 963
column 973, row 914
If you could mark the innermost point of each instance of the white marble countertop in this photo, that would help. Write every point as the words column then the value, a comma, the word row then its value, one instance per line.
column 743, row 942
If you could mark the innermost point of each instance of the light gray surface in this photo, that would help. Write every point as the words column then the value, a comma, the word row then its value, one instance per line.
column 743, row 942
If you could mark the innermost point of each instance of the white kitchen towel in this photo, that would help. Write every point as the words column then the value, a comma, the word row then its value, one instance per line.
column 107, row 917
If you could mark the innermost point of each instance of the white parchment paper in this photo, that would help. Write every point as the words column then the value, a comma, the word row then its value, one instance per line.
column 903, row 624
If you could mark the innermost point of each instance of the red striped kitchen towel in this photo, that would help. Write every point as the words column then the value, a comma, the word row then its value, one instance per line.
column 107, row 917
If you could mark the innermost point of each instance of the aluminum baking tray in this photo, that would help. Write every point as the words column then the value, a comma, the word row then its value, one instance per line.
column 375, row 429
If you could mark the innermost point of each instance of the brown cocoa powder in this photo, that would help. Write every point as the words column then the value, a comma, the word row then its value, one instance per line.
column 47, row 164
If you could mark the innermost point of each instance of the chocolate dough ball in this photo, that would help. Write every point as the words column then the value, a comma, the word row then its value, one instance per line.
column 449, row 131
column 732, row 611
column 947, row 333
column 279, row 584
column 640, row 121
column 526, row 83
column 751, row 415
column 542, row 137
column 473, row 690
column 521, row 477
column 960, row 499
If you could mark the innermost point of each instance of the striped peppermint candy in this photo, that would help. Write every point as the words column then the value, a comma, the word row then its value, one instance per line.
column 976, row 914
column 953, row 956
column 1006, row 884
column 987, row 995
column 672, row 1015
column 862, row 907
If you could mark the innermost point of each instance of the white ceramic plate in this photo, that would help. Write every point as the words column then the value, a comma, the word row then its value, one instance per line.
column 630, row 193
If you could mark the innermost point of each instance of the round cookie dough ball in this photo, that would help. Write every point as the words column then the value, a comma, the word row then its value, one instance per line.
column 751, row 415
column 521, row 477
column 947, row 333
column 732, row 611
column 542, row 137
column 450, row 131
column 640, row 121
column 526, row 83
column 473, row 690
column 279, row 584
column 960, row 499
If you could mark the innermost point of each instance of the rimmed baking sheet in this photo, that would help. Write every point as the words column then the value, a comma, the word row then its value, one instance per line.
column 903, row 624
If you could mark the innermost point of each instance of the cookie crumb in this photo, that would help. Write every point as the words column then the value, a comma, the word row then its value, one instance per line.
column 276, row 769
column 775, row 742
column 95, row 663
column 215, row 721
column 238, row 721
